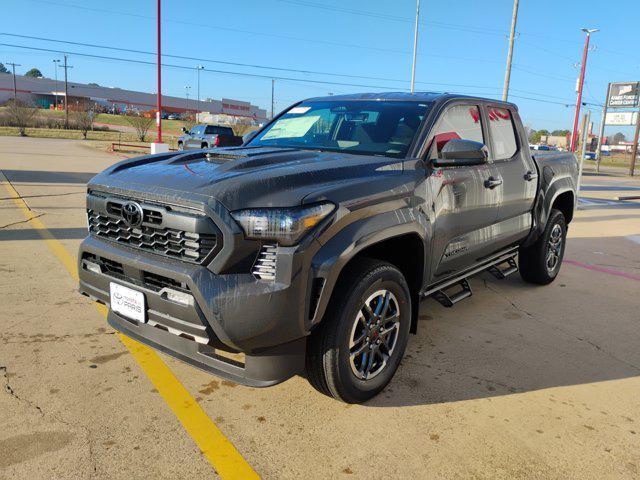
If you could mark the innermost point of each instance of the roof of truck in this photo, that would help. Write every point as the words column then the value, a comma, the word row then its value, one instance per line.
column 404, row 97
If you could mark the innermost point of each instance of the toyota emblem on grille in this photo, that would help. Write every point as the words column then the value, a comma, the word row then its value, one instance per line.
column 132, row 214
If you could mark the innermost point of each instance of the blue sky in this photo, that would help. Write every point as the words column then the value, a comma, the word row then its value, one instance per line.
column 462, row 45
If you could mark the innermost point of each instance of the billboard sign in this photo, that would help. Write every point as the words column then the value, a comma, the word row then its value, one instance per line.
column 621, row 118
column 623, row 95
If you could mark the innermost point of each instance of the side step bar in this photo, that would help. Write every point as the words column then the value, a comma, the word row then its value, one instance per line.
column 502, row 273
column 500, row 265
column 449, row 300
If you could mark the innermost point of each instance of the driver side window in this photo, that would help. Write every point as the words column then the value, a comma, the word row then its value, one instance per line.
column 457, row 122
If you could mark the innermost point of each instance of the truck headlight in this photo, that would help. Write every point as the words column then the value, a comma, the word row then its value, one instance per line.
column 284, row 225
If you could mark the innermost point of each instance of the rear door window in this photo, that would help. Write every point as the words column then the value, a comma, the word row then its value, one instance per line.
column 503, row 137
column 457, row 122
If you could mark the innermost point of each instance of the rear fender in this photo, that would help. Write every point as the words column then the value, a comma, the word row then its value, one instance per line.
column 552, row 185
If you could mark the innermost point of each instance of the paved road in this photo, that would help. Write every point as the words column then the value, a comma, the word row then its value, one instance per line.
column 516, row 382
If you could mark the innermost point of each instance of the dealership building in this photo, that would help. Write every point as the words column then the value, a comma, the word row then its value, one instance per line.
column 48, row 93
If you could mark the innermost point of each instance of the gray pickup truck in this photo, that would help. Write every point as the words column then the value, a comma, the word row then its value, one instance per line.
column 207, row 136
column 308, row 249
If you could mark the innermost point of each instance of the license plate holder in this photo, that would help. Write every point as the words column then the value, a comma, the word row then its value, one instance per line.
column 127, row 302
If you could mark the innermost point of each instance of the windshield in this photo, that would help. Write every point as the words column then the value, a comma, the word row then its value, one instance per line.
column 359, row 127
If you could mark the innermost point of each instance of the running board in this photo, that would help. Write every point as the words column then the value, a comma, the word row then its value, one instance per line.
column 502, row 273
column 439, row 289
column 449, row 300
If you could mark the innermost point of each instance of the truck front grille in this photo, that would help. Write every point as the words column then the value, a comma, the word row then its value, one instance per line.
column 179, row 244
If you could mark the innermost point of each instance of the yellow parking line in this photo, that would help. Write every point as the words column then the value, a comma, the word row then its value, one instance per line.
column 218, row 450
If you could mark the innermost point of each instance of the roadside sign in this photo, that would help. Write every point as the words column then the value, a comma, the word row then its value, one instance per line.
column 621, row 118
column 623, row 95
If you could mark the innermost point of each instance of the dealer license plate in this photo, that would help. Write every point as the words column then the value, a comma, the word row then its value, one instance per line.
column 127, row 302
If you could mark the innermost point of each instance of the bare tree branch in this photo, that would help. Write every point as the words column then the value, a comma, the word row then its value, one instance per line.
column 141, row 124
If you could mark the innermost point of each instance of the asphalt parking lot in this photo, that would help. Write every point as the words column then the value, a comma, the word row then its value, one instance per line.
column 516, row 382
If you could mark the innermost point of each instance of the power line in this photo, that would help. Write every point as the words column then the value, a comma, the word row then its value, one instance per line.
column 223, row 28
column 249, row 65
column 182, row 67
column 394, row 18
column 253, row 75
column 293, row 70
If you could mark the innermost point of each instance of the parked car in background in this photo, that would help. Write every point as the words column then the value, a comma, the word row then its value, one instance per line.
column 542, row 148
column 208, row 136
column 173, row 116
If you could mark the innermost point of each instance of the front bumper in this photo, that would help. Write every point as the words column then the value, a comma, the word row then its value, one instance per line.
column 237, row 327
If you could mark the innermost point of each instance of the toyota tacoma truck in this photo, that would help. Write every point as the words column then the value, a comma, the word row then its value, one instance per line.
column 308, row 249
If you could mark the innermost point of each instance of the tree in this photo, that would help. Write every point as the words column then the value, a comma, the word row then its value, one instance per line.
column 83, row 118
column 560, row 133
column 34, row 72
column 4, row 69
column 93, row 84
column 141, row 124
column 618, row 138
column 20, row 114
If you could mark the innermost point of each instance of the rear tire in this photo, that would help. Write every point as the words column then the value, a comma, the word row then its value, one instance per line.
column 357, row 348
column 540, row 263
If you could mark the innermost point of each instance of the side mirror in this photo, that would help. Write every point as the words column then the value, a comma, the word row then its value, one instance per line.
column 184, row 129
column 458, row 153
column 247, row 137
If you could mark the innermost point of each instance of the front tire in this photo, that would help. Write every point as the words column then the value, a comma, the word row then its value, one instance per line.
column 540, row 263
column 355, row 351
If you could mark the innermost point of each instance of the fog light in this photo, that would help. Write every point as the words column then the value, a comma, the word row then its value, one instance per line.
column 92, row 267
column 178, row 297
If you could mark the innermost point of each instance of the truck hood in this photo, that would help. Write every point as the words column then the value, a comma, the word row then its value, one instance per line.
column 242, row 177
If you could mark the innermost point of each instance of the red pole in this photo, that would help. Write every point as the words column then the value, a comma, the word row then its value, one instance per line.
column 576, row 118
column 159, row 114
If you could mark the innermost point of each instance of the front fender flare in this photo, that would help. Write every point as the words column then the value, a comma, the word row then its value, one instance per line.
column 330, row 260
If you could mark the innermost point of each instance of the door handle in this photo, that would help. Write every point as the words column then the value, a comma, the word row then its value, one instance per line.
column 530, row 176
column 492, row 182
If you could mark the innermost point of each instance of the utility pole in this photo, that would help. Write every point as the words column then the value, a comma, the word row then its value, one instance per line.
column 574, row 132
column 66, row 92
column 585, row 138
column 15, row 89
column 602, row 123
column 512, row 36
column 415, row 47
column 55, row 94
column 273, row 89
column 634, row 150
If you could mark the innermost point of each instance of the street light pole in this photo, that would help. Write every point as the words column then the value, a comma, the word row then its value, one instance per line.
column 66, row 92
column 507, row 75
column 198, row 68
column 55, row 94
column 415, row 47
column 273, row 88
column 602, row 125
column 187, row 88
column 576, row 118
